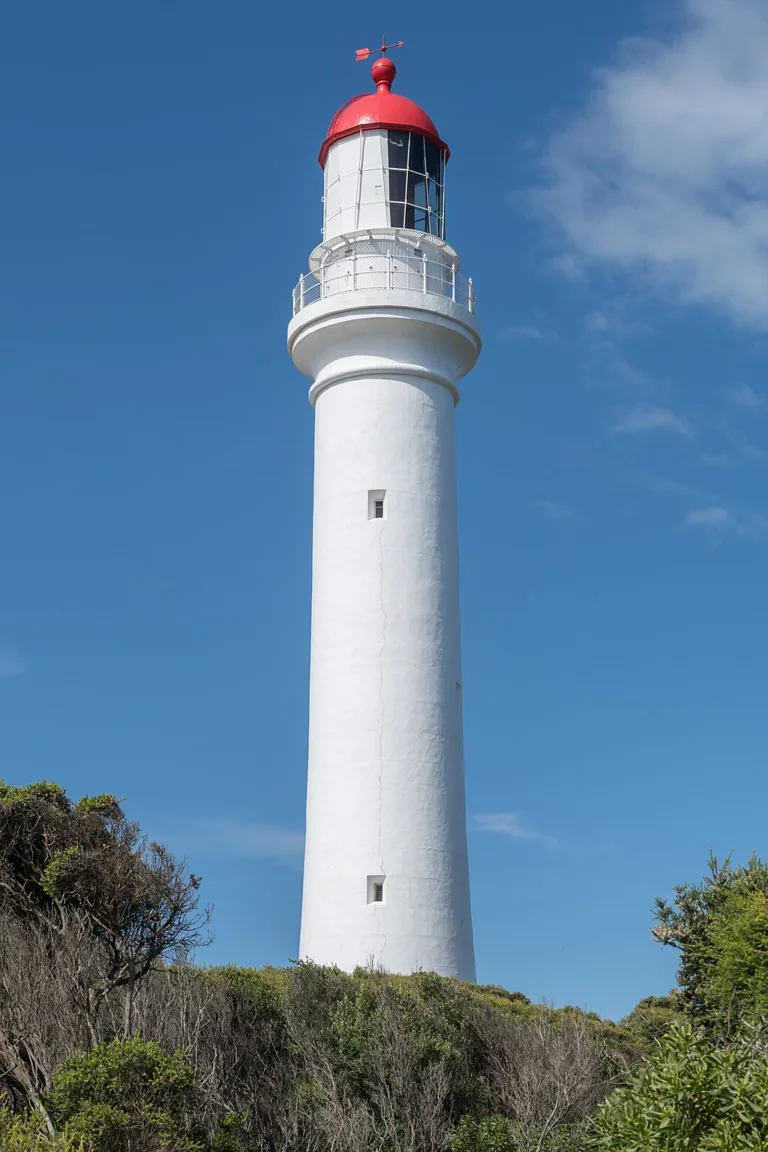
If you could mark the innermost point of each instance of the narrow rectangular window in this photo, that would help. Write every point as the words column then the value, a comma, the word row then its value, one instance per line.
column 376, row 889
column 377, row 505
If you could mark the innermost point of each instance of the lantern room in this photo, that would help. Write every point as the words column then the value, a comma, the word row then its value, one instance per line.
column 384, row 164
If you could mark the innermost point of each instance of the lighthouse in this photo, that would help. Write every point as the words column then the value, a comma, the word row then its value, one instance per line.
column 384, row 327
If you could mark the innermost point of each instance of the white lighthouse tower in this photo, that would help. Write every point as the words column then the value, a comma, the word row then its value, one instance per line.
column 384, row 326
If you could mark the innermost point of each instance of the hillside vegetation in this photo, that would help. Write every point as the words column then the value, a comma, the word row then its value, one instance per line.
column 112, row 1041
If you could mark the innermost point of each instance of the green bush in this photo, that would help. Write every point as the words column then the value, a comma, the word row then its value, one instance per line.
column 691, row 1095
column 29, row 1134
column 496, row 1134
column 490, row 1135
column 127, row 1096
column 651, row 1019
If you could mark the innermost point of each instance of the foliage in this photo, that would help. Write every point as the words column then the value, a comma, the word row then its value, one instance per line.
column 127, row 1096
column 720, row 928
column 29, row 1134
column 496, row 1134
column 84, row 868
column 651, row 1019
column 691, row 1094
column 109, row 1035
column 492, row 1134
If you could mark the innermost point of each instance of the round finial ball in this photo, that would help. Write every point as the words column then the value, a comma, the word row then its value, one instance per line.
column 383, row 72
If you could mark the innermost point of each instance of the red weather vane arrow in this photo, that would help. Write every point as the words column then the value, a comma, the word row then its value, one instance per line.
column 364, row 53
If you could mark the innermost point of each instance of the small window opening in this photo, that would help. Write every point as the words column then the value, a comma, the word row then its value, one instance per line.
column 376, row 889
column 377, row 505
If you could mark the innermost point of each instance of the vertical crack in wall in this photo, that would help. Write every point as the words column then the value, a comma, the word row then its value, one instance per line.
column 381, row 728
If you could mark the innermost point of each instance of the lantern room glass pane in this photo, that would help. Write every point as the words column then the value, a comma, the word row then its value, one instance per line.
column 398, row 149
column 416, row 158
column 433, row 162
column 417, row 189
column 397, row 185
column 415, row 182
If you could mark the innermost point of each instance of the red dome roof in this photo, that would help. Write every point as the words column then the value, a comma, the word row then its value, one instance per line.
column 380, row 109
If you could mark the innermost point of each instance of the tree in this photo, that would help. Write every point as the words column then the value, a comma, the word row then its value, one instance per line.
column 720, row 928
column 87, row 909
column 691, row 1094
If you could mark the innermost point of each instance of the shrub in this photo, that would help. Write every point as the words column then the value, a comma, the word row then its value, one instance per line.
column 127, row 1096
column 691, row 1095
column 29, row 1134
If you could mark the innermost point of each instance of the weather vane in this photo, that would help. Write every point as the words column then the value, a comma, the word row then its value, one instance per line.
column 364, row 53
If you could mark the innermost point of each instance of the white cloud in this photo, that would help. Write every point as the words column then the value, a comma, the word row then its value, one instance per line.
column 11, row 664
column 664, row 174
column 665, row 485
column 651, row 419
column 708, row 512
column 710, row 517
column 610, row 321
column 719, row 460
column 744, row 446
column 529, row 332
column 508, row 824
column 745, row 397
column 717, row 521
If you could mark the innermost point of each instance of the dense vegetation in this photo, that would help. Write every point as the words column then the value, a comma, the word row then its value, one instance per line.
column 111, row 1040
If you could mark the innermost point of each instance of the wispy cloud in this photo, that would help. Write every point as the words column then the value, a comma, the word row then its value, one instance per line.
column 744, row 446
column 529, row 332
column 661, row 175
column 719, row 460
column 11, row 664
column 611, row 321
column 651, row 419
column 708, row 511
column 555, row 511
column 718, row 522
column 228, row 839
column 745, row 397
column 508, row 824
column 710, row 517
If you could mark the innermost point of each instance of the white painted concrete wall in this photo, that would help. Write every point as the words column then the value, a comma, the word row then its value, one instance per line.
column 386, row 785
column 355, row 188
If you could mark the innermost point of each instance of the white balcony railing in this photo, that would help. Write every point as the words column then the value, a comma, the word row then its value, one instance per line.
column 360, row 272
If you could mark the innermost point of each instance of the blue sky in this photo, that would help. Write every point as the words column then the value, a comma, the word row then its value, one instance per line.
column 607, row 191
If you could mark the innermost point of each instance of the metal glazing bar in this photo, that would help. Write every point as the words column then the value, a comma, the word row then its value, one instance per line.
column 359, row 181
